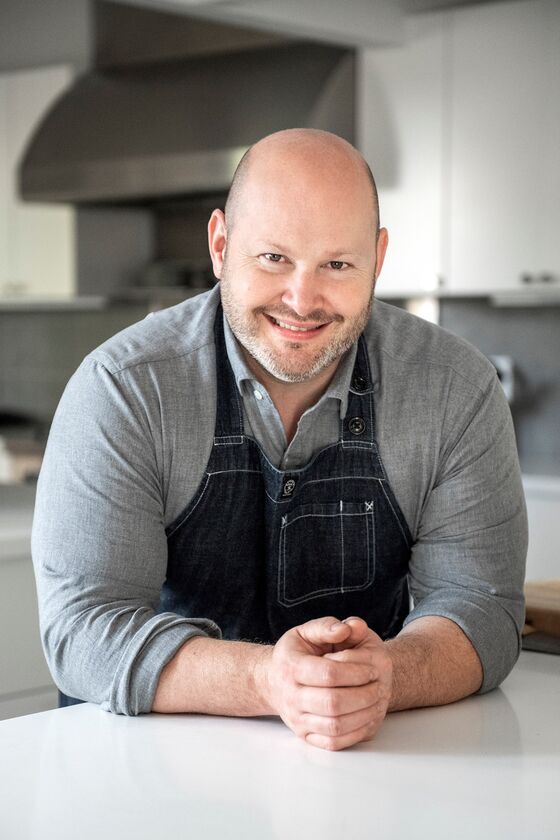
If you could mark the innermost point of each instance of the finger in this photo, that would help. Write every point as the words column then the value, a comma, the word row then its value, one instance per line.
column 359, row 654
column 323, row 631
column 331, row 702
column 341, row 742
column 374, row 668
column 320, row 671
column 376, row 658
column 335, row 727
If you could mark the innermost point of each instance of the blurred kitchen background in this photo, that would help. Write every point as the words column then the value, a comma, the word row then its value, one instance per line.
column 120, row 127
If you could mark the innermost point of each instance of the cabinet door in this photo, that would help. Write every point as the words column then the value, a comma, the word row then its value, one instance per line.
column 23, row 670
column 498, row 79
column 548, row 133
column 542, row 494
column 4, row 182
column 401, row 113
column 41, row 236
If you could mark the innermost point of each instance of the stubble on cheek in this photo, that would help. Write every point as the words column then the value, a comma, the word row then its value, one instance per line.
column 293, row 361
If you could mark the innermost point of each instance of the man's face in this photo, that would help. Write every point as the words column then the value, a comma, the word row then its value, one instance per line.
column 298, row 271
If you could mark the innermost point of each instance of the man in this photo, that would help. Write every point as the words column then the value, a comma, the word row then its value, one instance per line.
column 279, row 476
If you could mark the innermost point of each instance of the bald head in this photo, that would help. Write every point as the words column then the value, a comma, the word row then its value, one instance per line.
column 306, row 150
column 299, row 244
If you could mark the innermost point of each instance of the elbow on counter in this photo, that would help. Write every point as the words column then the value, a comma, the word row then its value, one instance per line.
column 109, row 652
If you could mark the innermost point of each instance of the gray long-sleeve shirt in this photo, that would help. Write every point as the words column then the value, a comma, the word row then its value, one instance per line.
column 129, row 445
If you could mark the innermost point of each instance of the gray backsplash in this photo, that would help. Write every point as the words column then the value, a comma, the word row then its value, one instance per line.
column 40, row 350
column 531, row 336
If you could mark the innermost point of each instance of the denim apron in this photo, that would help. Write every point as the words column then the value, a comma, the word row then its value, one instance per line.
column 259, row 550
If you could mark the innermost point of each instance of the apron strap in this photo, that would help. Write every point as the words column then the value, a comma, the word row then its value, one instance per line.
column 229, row 414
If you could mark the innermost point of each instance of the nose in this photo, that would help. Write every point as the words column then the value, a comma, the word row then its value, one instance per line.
column 302, row 292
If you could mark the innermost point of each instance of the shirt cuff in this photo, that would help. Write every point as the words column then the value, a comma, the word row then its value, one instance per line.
column 134, row 686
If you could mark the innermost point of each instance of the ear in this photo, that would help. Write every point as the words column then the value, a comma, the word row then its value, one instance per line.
column 217, row 239
column 381, row 249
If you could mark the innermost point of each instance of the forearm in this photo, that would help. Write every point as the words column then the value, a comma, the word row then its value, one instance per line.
column 327, row 680
column 215, row 677
column 433, row 663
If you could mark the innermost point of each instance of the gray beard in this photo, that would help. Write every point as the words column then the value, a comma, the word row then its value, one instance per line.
column 248, row 337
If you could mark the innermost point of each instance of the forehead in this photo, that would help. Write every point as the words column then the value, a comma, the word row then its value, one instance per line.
column 295, row 200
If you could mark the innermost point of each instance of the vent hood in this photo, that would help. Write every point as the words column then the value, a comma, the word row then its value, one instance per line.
column 135, row 131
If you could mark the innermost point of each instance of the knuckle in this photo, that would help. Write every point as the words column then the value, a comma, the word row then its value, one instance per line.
column 299, row 729
column 370, row 733
column 373, row 728
column 385, row 693
column 383, row 689
column 328, row 672
column 332, row 704
column 334, row 727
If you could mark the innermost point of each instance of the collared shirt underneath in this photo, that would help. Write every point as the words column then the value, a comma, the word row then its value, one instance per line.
column 318, row 426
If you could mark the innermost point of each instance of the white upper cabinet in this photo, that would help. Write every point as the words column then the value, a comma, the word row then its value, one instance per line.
column 400, row 114
column 4, row 182
column 37, row 241
column 548, row 235
column 461, row 124
column 504, row 178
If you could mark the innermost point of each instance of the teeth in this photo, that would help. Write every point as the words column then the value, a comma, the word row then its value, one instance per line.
column 290, row 327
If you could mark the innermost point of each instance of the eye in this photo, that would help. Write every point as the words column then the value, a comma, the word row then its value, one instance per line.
column 337, row 265
column 275, row 258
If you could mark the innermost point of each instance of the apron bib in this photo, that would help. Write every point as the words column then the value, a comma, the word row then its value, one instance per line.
column 259, row 550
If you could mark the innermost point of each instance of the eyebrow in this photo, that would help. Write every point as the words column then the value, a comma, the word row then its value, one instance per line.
column 274, row 247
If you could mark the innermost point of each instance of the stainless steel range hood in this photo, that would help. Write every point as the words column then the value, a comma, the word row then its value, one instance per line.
column 177, row 125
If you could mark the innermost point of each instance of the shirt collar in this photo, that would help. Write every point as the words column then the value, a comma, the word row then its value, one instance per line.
column 338, row 387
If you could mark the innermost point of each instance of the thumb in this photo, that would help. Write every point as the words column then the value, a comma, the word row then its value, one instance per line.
column 324, row 632
column 359, row 632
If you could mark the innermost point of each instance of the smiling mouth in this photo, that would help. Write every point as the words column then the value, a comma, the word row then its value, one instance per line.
column 295, row 328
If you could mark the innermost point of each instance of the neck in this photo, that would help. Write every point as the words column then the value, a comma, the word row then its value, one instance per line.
column 292, row 399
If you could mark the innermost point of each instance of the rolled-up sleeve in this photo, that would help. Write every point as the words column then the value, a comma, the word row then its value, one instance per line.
column 468, row 562
column 100, row 549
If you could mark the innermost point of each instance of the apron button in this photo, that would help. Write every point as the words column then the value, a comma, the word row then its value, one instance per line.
column 289, row 487
column 357, row 425
column 359, row 384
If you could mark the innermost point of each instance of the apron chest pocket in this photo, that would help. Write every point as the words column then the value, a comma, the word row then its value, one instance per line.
column 325, row 549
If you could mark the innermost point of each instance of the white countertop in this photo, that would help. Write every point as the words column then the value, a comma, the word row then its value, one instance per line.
column 487, row 767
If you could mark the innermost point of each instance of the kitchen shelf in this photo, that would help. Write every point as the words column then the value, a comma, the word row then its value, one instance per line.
column 36, row 304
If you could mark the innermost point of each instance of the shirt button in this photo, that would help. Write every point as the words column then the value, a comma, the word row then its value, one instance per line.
column 257, row 394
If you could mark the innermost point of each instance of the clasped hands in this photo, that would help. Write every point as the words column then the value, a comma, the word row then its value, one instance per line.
column 330, row 681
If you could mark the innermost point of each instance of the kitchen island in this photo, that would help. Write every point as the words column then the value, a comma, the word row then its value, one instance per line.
column 486, row 767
